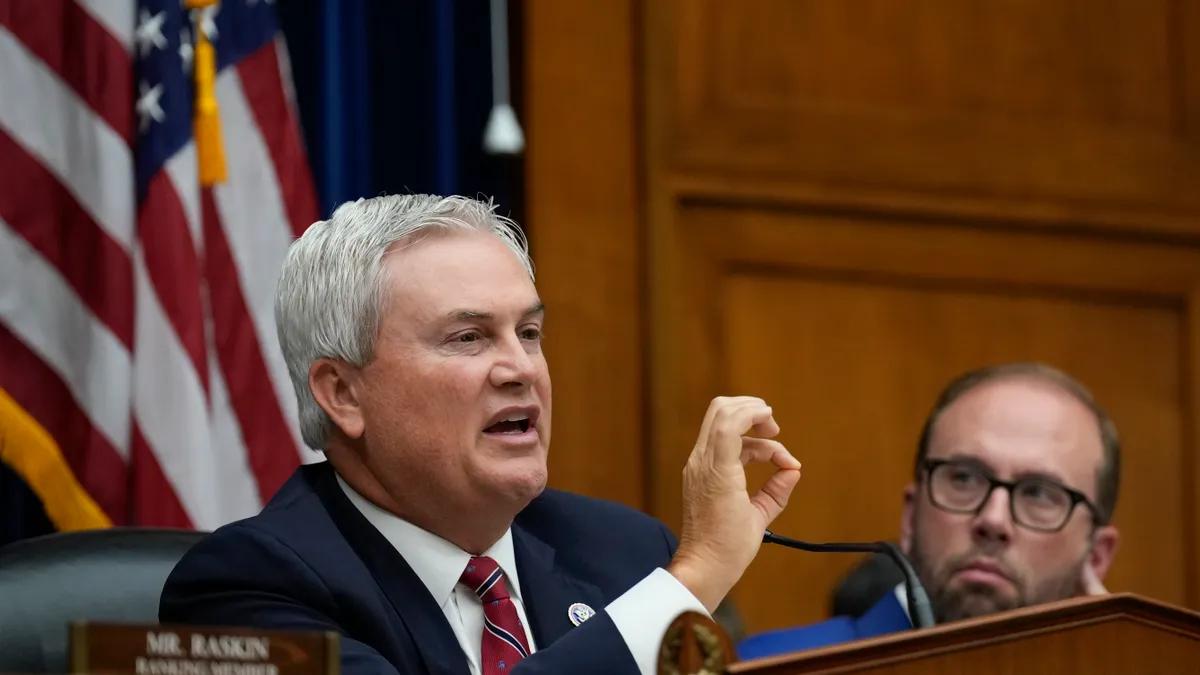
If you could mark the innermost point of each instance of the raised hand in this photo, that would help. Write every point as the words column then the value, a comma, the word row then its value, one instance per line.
column 723, row 524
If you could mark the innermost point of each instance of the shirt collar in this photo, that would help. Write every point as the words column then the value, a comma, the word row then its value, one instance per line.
column 902, row 597
column 437, row 562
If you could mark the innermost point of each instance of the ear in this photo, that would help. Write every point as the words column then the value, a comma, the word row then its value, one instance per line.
column 1104, row 549
column 335, row 386
column 906, row 521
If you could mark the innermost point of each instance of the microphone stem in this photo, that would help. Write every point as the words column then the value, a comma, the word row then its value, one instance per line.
column 919, row 607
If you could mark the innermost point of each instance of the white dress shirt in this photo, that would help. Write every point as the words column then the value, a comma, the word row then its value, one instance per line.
column 641, row 614
column 902, row 597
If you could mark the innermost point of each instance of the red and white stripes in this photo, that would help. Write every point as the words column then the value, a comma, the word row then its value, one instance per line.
column 143, row 339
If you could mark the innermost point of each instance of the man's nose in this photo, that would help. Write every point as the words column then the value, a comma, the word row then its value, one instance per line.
column 994, row 520
column 515, row 366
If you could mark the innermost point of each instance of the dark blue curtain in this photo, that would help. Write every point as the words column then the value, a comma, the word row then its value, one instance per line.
column 394, row 96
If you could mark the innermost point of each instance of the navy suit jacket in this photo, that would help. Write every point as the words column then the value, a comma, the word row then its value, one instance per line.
column 886, row 616
column 311, row 561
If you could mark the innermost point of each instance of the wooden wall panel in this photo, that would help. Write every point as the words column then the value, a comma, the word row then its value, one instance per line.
column 809, row 161
column 1062, row 111
column 582, row 176
column 858, row 363
column 839, row 206
column 852, row 354
column 849, row 326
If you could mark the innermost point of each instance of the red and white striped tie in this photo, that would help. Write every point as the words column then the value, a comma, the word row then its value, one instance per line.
column 504, row 640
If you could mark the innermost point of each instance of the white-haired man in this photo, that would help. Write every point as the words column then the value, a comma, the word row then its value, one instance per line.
column 428, row 540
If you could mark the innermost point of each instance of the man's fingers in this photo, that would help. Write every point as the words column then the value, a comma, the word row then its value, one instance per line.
column 767, row 450
column 716, row 407
column 719, row 519
column 768, row 429
column 731, row 424
column 771, row 499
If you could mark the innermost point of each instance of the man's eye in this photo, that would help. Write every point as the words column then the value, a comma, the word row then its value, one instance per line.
column 468, row 337
column 964, row 477
column 1042, row 493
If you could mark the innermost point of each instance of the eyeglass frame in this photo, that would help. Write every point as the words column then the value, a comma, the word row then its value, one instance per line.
column 1077, row 497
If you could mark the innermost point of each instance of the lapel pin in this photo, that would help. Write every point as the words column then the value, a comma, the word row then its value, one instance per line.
column 580, row 612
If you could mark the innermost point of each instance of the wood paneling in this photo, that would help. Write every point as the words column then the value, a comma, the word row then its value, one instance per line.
column 849, row 327
column 1069, row 108
column 839, row 206
column 582, row 183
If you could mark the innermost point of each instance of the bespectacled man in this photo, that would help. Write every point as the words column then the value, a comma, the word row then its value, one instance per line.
column 1014, row 486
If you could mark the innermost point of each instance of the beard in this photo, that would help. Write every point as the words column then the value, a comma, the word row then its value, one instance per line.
column 951, row 602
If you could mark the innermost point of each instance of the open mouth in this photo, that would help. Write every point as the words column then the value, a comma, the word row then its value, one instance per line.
column 514, row 425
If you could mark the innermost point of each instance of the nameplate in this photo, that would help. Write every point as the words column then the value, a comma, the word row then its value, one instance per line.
column 151, row 649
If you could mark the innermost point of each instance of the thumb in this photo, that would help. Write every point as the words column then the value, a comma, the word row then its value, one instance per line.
column 772, row 497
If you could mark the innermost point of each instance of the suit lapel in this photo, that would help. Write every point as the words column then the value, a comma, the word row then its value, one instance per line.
column 548, row 590
column 418, row 613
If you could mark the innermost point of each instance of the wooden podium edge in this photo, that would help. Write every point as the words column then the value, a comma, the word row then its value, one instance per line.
column 982, row 631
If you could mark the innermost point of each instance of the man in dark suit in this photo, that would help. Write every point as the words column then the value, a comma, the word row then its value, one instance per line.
column 864, row 585
column 1014, row 487
column 428, row 540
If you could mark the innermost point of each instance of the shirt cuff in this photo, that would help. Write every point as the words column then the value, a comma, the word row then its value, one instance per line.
column 643, row 613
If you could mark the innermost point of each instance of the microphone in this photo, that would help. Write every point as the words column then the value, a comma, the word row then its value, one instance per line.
column 919, row 607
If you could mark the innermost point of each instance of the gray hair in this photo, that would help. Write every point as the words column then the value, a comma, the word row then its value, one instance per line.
column 331, row 290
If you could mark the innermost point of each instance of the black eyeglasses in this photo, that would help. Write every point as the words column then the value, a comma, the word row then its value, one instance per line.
column 1035, row 503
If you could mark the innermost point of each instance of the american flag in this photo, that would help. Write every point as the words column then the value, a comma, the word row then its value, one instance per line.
column 140, row 378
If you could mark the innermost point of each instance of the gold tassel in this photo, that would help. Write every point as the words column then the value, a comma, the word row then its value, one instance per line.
column 207, row 121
